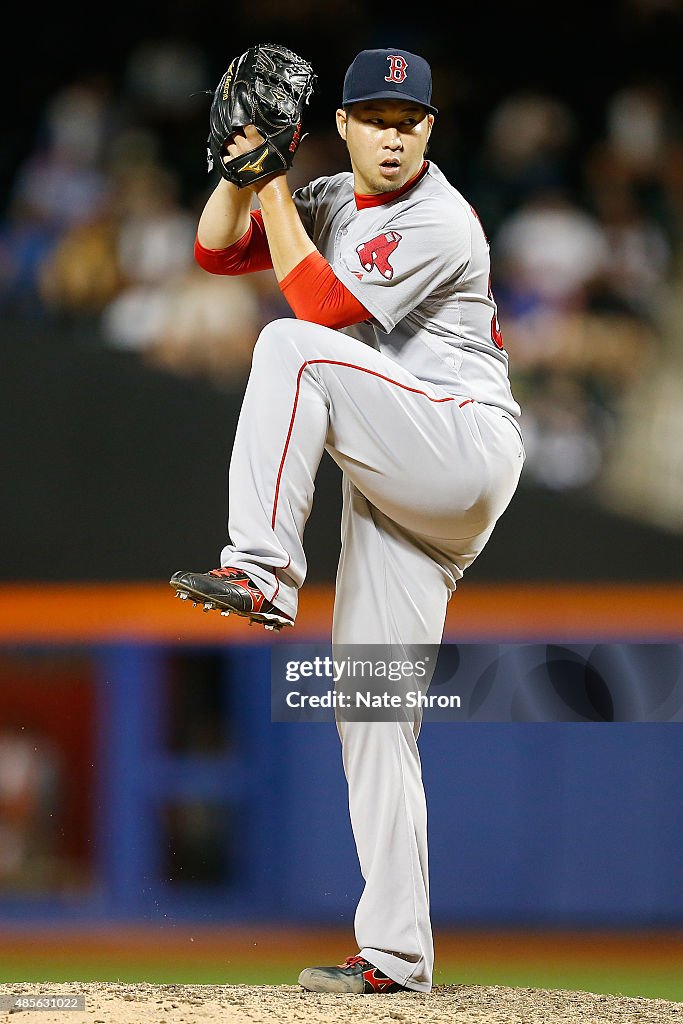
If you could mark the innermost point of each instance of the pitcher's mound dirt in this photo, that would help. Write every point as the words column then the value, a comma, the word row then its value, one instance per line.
column 110, row 1003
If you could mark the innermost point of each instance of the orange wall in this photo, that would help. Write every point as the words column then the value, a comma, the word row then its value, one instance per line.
column 72, row 613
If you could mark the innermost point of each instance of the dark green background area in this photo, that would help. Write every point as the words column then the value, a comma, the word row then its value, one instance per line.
column 116, row 471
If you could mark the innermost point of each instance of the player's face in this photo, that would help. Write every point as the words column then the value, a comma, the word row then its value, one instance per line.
column 386, row 141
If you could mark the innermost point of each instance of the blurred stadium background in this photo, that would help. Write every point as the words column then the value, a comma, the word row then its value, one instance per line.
column 154, row 823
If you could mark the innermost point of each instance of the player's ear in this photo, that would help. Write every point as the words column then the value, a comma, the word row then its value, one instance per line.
column 430, row 124
column 341, row 123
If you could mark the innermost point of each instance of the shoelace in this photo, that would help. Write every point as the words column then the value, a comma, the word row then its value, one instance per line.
column 351, row 961
column 227, row 572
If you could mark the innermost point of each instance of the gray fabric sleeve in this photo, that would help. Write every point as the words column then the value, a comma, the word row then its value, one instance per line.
column 305, row 202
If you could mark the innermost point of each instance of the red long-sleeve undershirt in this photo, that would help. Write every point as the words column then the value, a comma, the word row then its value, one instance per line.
column 312, row 288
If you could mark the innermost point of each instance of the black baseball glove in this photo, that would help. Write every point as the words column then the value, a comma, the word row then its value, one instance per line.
column 268, row 86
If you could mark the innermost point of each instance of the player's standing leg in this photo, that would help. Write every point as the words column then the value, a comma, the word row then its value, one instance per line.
column 400, row 605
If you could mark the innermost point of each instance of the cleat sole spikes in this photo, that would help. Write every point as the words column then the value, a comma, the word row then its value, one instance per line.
column 268, row 620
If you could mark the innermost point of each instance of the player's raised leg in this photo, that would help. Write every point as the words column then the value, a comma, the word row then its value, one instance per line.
column 416, row 453
column 279, row 441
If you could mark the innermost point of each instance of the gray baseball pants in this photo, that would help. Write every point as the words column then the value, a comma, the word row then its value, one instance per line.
column 425, row 477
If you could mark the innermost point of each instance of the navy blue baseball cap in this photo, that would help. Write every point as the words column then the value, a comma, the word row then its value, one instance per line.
column 391, row 74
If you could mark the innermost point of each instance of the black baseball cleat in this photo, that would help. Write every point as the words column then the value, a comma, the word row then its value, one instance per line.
column 356, row 976
column 229, row 590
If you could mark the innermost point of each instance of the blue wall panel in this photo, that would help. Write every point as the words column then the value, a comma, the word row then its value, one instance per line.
column 555, row 823
column 546, row 824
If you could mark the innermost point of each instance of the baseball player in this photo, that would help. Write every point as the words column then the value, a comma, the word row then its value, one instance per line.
column 394, row 364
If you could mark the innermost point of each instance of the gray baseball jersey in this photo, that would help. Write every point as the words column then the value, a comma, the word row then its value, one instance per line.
column 420, row 264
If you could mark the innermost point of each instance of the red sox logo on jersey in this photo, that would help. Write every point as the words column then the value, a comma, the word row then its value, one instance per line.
column 376, row 253
column 398, row 66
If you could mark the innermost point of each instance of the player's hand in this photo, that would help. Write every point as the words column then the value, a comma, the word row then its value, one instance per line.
column 241, row 143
